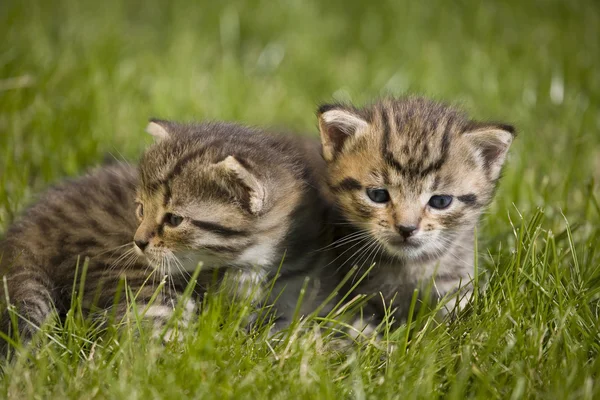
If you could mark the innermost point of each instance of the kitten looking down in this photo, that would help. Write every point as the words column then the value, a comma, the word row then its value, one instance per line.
column 218, row 193
column 411, row 177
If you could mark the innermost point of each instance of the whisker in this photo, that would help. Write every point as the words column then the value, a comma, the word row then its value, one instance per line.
column 344, row 239
column 344, row 252
column 371, row 245
column 179, row 264
column 114, row 249
column 353, row 254
column 120, row 259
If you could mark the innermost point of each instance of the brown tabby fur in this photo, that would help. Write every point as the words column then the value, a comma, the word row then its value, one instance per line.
column 414, row 148
column 245, row 197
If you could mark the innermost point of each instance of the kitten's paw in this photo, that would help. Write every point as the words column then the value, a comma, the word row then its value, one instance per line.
column 171, row 335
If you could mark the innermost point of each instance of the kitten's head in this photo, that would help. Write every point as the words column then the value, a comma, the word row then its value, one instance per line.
column 413, row 173
column 204, row 198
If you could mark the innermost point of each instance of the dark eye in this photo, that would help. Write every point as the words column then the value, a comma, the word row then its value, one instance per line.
column 378, row 195
column 173, row 220
column 440, row 201
column 140, row 210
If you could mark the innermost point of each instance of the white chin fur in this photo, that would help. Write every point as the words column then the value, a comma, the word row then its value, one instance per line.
column 406, row 253
column 258, row 255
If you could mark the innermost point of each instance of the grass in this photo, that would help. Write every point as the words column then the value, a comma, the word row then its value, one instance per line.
column 78, row 81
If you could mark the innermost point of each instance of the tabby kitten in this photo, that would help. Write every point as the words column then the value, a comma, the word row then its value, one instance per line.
column 411, row 177
column 222, row 194
column 92, row 216
column 234, row 197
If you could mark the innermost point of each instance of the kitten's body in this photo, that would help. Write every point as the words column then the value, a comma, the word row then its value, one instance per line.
column 411, row 178
column 92, row 216
column 243, row 199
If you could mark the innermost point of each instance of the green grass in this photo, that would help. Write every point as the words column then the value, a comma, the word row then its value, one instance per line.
column 78, row 81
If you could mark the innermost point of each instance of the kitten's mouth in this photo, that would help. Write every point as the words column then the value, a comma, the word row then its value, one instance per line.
column 406, row 249
column 402, row 243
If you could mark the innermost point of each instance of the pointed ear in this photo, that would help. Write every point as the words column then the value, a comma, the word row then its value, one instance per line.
column 257, row 189
column 158, row 129
column 491, row 142
column 338, row 124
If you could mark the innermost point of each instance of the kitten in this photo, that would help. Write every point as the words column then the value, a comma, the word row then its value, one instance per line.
column 235, row 197
column 231, row 197
column 410, row 177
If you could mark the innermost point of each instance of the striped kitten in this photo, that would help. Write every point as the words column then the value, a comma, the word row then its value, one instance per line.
column 92, row 216
column 411, row 178
column 222, row 194
column 232, row 196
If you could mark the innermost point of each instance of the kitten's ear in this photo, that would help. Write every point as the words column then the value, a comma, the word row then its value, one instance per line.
column 491, row 141
column 158, row 129
column 257, row 189
column 338, row 124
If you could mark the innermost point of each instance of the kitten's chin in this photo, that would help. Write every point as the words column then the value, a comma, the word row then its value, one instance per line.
column 405, row 251
column 408, row 250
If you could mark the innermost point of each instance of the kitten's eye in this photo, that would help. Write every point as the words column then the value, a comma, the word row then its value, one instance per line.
column 440, row 201
column 140, row 210
column 173, row 220
column 378, row 195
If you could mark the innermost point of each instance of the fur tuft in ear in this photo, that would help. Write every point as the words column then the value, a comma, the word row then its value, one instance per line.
column 491, row 142
column 338, row 124
column 158, row 129
column 257, row 189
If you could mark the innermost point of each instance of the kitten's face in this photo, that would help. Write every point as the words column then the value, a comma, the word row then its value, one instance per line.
column 176, row 224
column 196, row 205
column 413, row 174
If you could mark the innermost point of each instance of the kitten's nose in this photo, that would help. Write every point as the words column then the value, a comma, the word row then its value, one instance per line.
column 142, row 244
column 406, row 230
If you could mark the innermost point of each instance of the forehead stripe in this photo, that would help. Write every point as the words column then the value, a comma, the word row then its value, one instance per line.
column 219, row 229
column 386, row 130
column 347, row 184
column 415, row 170
column 176, row 170
column 436, row 183
column 167, row 195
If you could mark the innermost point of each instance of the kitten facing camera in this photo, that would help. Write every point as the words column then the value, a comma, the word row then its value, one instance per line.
column 410, row 178
column 233, row 198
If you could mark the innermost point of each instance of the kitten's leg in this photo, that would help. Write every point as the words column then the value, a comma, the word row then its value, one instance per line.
column 121, row 299
column 31, row 295
column 159, row 314
column 304, row 294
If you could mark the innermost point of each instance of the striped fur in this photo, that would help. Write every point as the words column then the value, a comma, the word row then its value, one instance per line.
column 245, row 198
column 414, row 149
column 92, row 216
